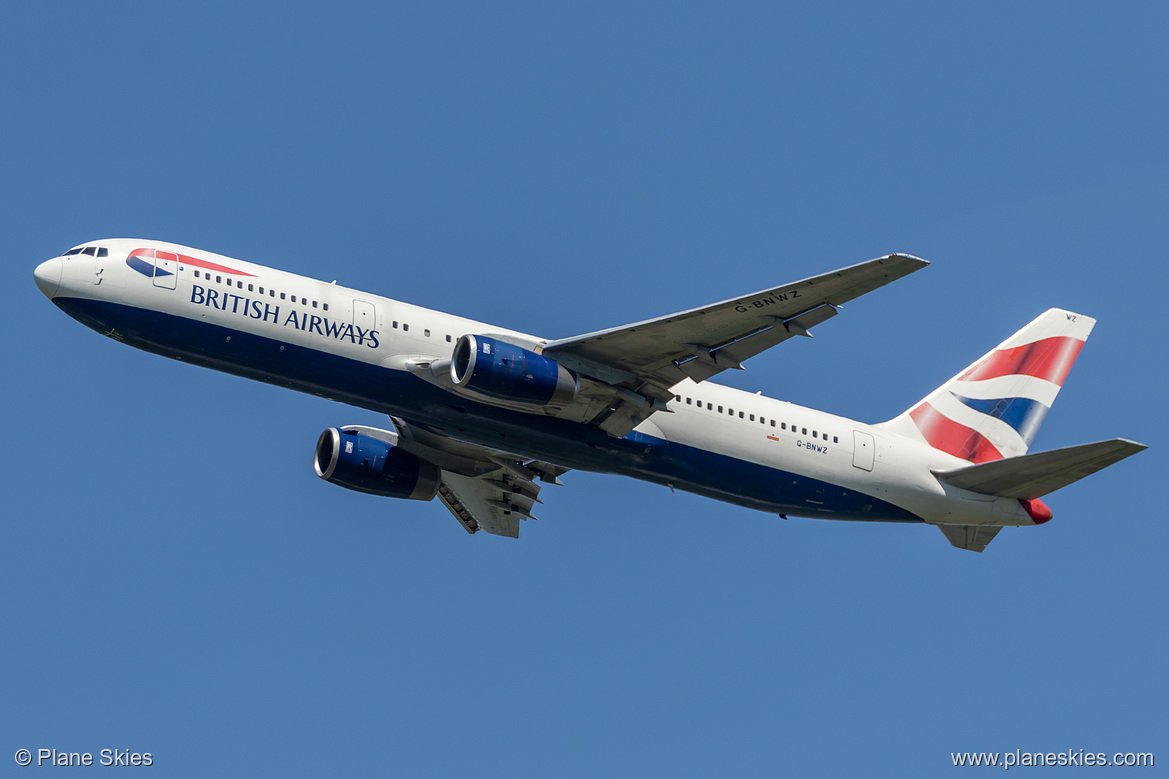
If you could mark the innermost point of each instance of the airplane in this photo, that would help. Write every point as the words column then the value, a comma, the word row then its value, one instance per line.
column 482, row 416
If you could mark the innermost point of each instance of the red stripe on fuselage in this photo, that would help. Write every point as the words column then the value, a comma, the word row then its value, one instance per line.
column 1049, row 359
column 951, row 437
column 187, row 260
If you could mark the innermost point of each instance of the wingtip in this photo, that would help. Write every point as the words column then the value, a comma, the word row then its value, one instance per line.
column 918, row 261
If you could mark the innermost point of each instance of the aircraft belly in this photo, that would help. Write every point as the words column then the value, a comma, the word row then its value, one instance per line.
column 765, row 487
column 731, row 477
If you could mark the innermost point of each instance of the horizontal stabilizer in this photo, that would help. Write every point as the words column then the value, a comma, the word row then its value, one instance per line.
column 972, row 537
column 1032, row 476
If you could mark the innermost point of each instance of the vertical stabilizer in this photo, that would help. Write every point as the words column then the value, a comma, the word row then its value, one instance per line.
column 993, row 409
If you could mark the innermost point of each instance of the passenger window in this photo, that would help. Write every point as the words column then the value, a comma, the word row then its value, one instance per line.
column 783, row 426
column 89, row 250
column 731, row 411
column 314, row 304
column 688, row 403
column 710, row 407
column 325, row 306
column 282, row 296
column 103, row 252
column 678, row 398
column 741, row 416
column 196, row 274
column 805, row 432
column 426, row 332
column 720, row 409
column 773, row 423
column 395, row 325
column 815, row 434
column 752, row 417
column 304, row 301
column 218, row 279
column 448, row 339
column 251, row 288
column 405, row 327
column 272, row 293
column 835, row 440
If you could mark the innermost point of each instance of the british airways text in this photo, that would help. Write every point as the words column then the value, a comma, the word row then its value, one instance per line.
column 259, row 309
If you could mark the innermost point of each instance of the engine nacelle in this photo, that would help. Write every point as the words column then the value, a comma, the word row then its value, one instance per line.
column 496, row 369
column 358, row 461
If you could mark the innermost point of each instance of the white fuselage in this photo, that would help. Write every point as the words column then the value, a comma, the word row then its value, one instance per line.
column 358, row 348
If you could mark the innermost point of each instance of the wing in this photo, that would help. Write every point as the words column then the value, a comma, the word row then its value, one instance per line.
column 488, row 503
column 636, row 365
column 485, row 489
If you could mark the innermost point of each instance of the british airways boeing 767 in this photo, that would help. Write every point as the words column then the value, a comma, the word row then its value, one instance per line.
column 481, row 415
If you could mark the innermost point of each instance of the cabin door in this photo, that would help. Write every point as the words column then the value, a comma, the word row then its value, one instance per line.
column 166, row 269
column 864, row 450
column 364, row 315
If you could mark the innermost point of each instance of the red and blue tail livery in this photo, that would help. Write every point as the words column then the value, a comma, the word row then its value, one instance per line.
column 480, row 417
column 994, row 408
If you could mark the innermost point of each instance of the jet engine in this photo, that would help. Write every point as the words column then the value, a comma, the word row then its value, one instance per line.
column 359, row 459
column 497, row 370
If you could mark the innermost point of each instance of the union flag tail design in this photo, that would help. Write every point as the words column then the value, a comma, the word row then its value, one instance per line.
column 993, row 409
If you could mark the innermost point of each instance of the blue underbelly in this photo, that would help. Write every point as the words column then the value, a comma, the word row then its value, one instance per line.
column 401, row 394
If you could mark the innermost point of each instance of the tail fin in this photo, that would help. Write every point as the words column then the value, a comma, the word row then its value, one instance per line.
column 993, row 409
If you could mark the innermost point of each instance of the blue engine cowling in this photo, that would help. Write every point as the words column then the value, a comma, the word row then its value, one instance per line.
column 363, row 463
column 496, row 369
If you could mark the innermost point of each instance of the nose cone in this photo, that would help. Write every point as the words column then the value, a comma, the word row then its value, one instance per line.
column 48, row 276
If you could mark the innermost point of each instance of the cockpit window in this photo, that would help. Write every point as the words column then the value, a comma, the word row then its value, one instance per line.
column 92, row 251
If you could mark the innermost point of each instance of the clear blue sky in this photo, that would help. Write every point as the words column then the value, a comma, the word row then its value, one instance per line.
column 177, row 580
